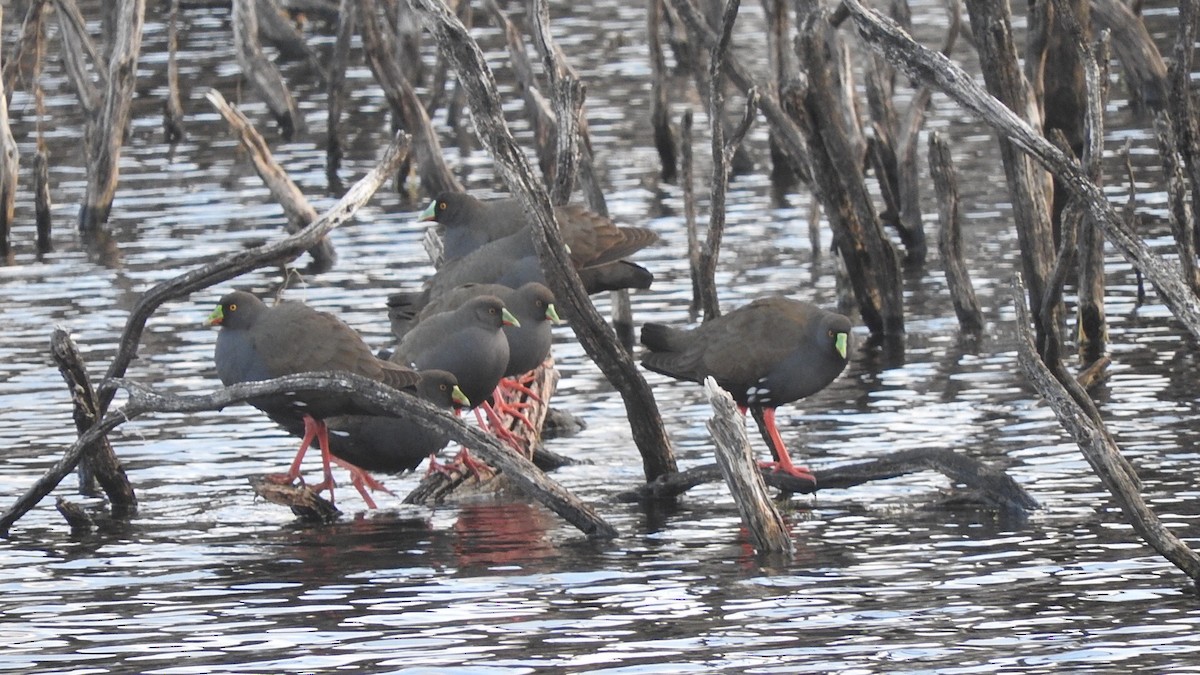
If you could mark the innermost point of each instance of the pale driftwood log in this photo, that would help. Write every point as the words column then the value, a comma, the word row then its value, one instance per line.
column 767, row 529
column 380, row 399
column 108, row 134
column 10, row 164
column 347, row 21
column 381, row 49
column 933, row 68
column 598, row 340
column 1099, row 447
column 1141, row 62
column 300, row 214
column 261, row 73
column 172, row 107
column 222, row 270
column 945, row 184
column 99, row 464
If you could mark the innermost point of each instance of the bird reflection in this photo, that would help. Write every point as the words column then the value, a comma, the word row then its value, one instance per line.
column 501, row 534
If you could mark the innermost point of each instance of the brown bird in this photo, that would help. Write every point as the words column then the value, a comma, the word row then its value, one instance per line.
column 257, row 342
column 770, row 352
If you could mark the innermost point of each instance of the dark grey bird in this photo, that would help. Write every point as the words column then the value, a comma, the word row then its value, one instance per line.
column 258, row 342
column 768, row 353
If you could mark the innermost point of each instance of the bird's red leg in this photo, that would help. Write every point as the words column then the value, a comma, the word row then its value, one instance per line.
column 497, row 427
column 784, row 461
column 472, row 465
column 361, row 480
column 503, row 406
column 326, row 457
column 520, row 384
column 293, row 472
column 435, row 466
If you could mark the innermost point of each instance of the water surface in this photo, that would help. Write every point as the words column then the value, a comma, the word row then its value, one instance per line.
column 206, row 579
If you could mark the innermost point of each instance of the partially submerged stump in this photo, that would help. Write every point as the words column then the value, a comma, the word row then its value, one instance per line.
column 768, row 531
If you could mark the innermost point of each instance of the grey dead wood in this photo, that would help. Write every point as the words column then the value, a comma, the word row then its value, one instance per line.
column 112, row 116
column 227, row 268
column 173, row 107
column 98, row 460
column 262, row 74
column 20, row 70
column 598, row 340
column 935, row 69
column 10, row 164
column 380, row 399
column 767, row 530
column 78, row 51
column 1078, row 415
column 300, row 214
column 958, row 279
column 346, row 24
column 871, row 260
column 1181, row 105
column 660, row 111
column 990, row 485
column 380, row 46
column 1141, row 63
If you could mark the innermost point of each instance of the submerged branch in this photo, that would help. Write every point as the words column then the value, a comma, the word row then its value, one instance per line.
column 995, row 487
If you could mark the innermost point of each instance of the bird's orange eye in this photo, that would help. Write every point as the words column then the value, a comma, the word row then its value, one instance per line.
column 443, row 205
column 233, row 307
column 830, row 332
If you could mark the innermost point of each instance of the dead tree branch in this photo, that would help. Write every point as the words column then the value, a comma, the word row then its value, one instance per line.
column 768, row 531
column 597, row 338
column 1099, row 447
column 300, row 214
column 378, row 399
column 194, row 280
column 933, row 68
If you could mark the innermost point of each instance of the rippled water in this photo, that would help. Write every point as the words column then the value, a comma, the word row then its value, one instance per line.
column 205, row 579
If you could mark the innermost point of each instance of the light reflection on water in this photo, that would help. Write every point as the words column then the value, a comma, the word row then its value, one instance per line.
column 207, row 580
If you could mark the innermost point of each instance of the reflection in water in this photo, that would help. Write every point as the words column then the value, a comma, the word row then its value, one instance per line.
column 208, row 580
column 513, row 533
